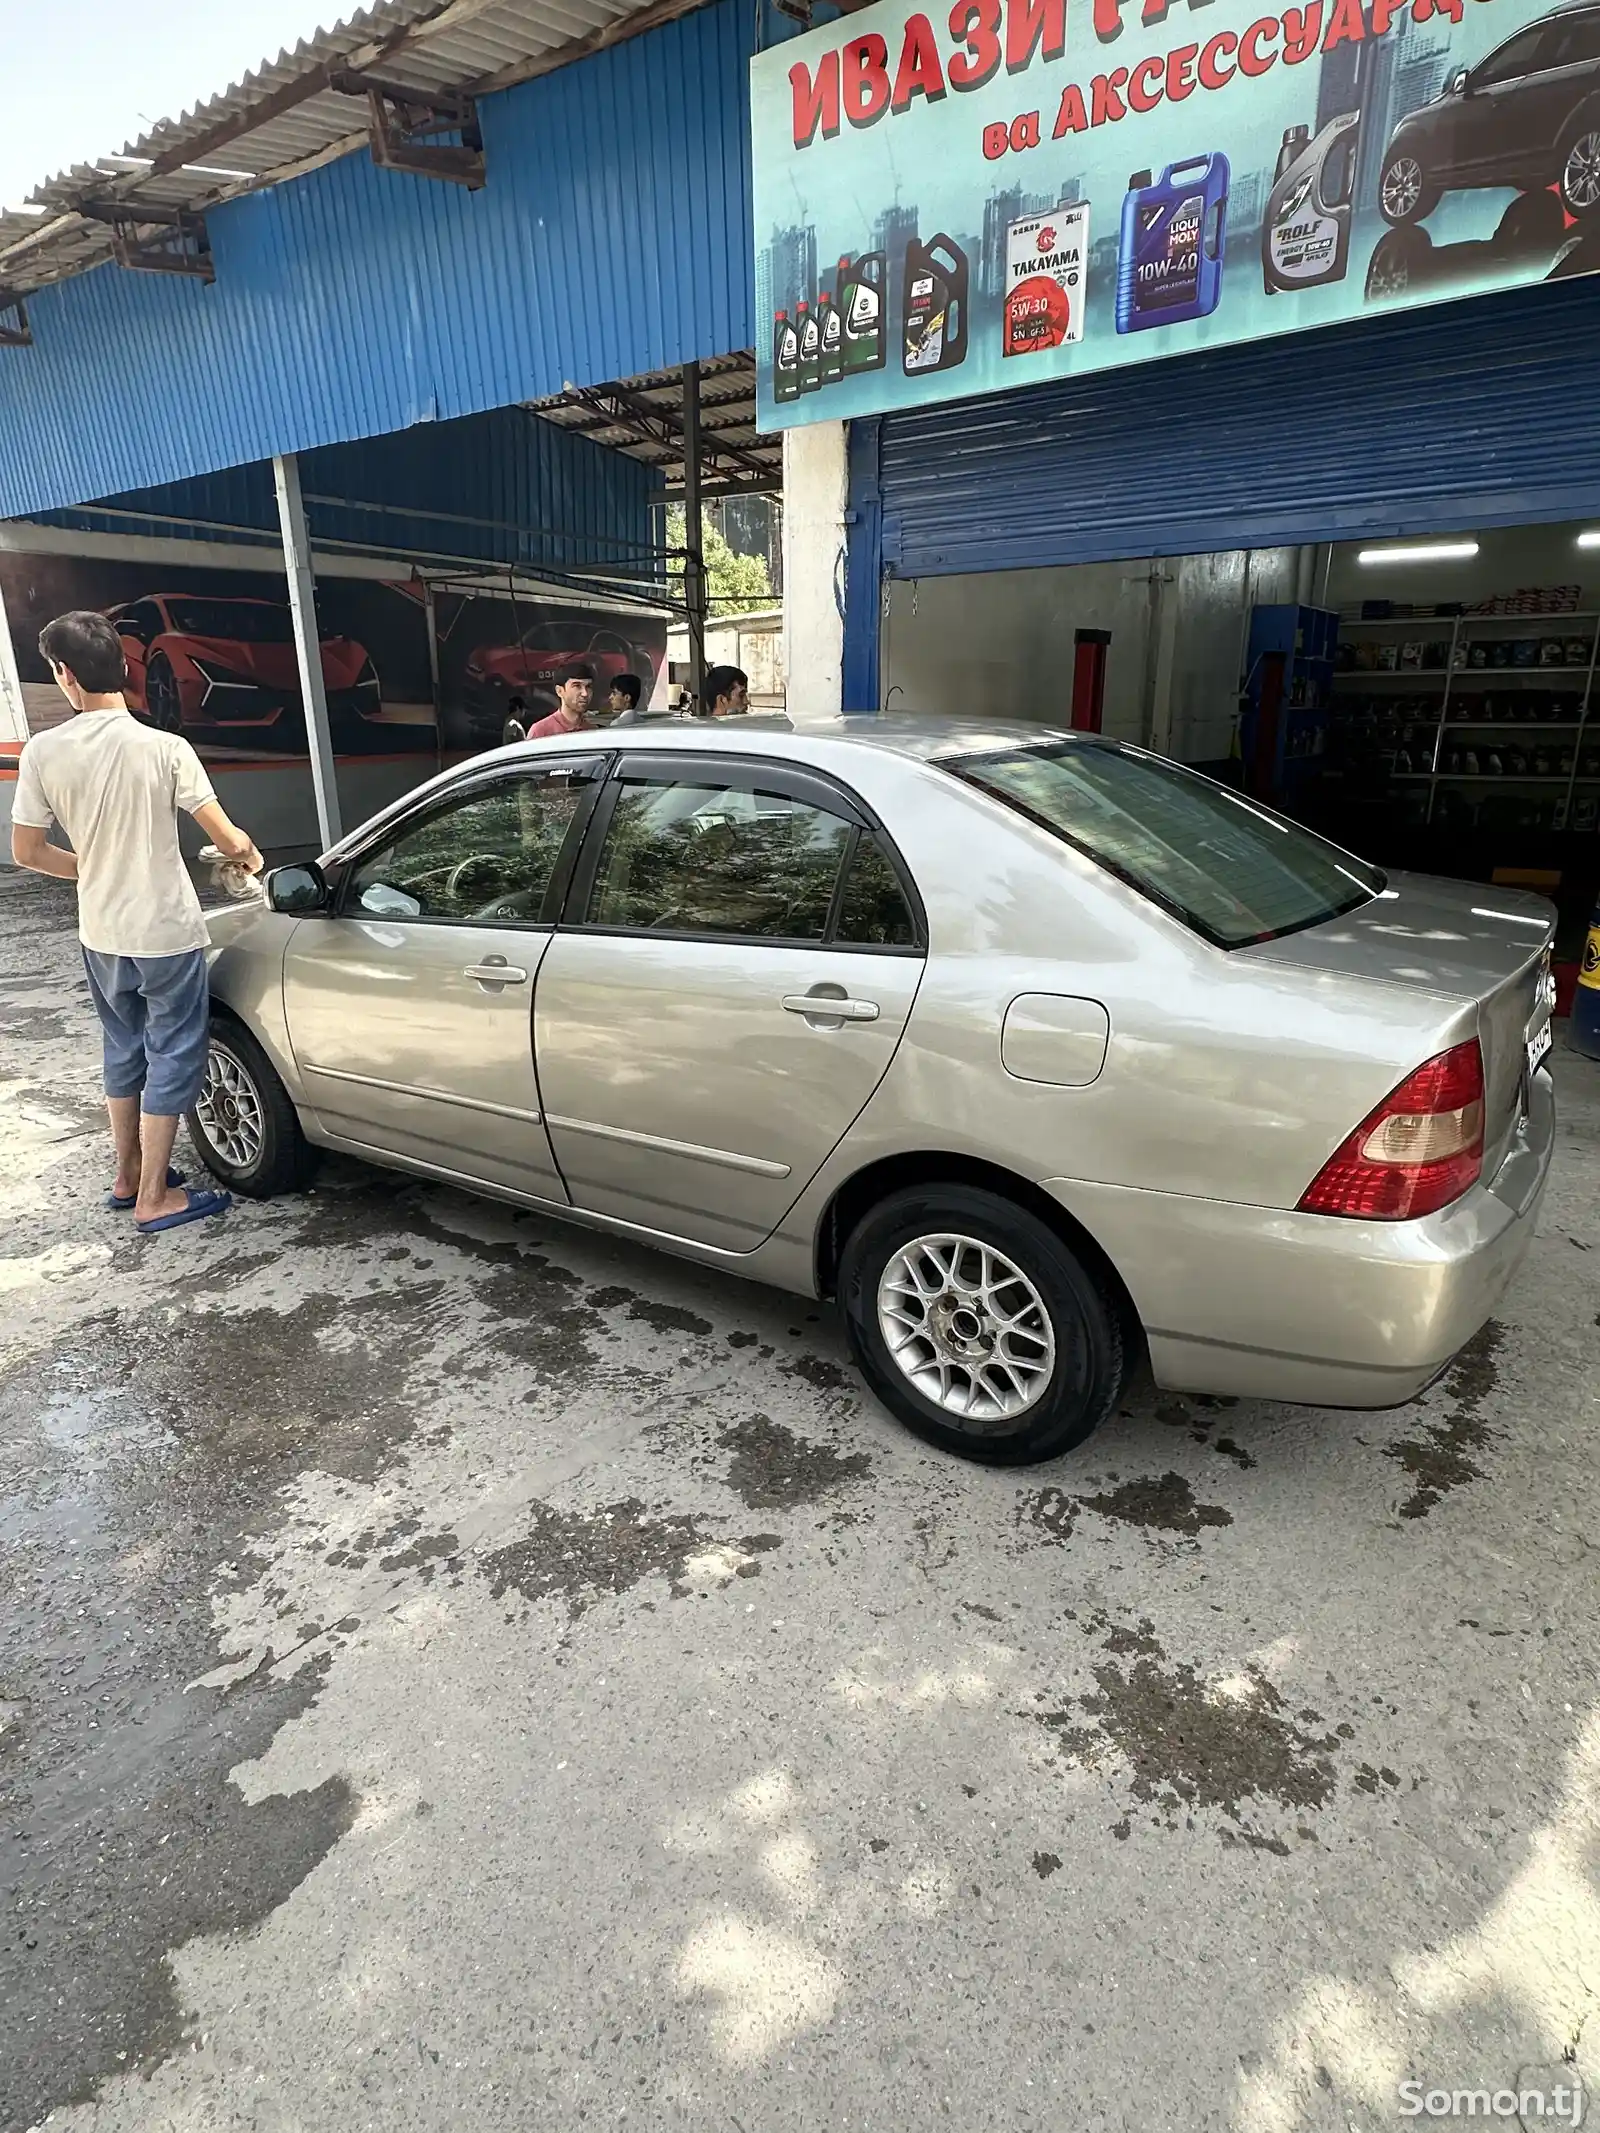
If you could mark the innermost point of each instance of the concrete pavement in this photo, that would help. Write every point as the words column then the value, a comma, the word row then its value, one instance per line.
column 460, row 1672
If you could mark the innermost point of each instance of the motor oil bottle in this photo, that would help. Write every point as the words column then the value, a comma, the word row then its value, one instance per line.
column 830, row 335
column 859, row 290
column 1170, row 259
column 934, row 314
column 785, row 359
column 810, row 347
column 1305, row 233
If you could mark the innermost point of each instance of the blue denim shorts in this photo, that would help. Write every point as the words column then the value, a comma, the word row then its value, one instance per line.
column 155, row 1015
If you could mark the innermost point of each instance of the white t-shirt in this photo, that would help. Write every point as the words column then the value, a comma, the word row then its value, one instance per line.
column 116, row 787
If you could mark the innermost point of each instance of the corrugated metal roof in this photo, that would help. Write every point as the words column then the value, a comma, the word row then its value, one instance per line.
column 501, row 488
column 284, row 119
column 607, row 244
column 643, row 417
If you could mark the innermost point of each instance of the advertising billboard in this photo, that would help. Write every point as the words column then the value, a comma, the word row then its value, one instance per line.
column 954, row 203
column 211, row 655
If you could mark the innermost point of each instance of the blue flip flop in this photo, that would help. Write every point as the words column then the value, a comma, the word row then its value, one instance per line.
column 120, row 1206
column 200, row 1205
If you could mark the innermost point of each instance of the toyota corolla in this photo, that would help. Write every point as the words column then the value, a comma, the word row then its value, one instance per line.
column 1033, row 1050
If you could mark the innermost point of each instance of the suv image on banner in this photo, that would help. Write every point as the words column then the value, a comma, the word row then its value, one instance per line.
column 1528, row 115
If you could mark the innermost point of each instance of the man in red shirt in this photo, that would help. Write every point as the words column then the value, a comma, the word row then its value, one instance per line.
column 574, row 706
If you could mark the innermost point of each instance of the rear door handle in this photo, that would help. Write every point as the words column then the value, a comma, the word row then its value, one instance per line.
column 823, row 1007
column 495, row 970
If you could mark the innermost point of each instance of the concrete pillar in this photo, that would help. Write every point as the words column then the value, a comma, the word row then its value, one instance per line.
column 307, row 644
column 815, row 498
column 13, row 714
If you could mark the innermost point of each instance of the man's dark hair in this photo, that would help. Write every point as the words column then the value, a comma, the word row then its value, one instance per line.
column 90, row 649
column 721, row 681
column 630, row 686
column 581, row 672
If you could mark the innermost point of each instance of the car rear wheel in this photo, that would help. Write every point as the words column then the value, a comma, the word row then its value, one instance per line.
column 161, row 696
column 978, row 1327
column 244, row 1125
column 1580, row 170
column 1405, row 193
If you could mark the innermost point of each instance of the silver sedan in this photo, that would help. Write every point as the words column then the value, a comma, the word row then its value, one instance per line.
column 1032, row 1050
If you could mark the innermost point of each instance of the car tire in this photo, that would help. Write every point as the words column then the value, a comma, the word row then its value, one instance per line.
column 1405, row 192
column 245, row 1128
column 1532, row 225
column 1399, row 262
column 1578, row 179
column 1064, row 1354
column 163, row 699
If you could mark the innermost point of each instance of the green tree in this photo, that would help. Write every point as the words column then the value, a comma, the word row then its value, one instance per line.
column 735, row 584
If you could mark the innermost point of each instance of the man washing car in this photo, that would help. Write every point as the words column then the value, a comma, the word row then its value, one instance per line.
column 117, row 788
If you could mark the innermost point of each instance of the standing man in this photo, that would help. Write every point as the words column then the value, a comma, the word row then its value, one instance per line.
column 117, row 787
column 726, row 693
column 574, row 705
column 623, row 700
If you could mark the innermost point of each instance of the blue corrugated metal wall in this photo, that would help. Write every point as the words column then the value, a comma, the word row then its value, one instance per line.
column 613, row 237
column 557, row 500
column 1482, row 413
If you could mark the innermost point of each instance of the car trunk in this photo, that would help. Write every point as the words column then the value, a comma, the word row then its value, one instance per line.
column 1459, row 941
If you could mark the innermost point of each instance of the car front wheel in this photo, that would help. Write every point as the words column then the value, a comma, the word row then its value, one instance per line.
column 1405, row 193
column 161, row 695
column 978, row 1327
column 244, row 1125
column 1580, row 171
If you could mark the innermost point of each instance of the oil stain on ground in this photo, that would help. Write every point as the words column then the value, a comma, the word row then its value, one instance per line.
column 584, row 1556
column 1440, row 1457
column 1189, row 1744
column 771, row 1469
column 1163, row 1503
column 142, row 1459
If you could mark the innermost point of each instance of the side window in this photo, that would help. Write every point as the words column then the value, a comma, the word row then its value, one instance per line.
column 141, row 622
column 873, row 911
column 487, row 858
column 1521, row 56
column 707, row 858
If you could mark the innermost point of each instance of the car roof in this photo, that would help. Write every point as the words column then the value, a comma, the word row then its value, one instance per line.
column 825, row 744
column 922, row 739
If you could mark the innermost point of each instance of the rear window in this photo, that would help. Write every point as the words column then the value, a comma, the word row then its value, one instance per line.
column 1229, row 868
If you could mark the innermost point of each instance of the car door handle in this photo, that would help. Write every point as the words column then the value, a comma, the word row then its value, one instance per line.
column 825, row 1007
column 495, row 970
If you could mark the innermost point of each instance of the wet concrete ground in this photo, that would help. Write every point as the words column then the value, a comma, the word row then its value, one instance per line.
column 457, row 1672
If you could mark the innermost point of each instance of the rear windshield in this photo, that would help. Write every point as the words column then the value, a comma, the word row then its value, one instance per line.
column 1229, row 868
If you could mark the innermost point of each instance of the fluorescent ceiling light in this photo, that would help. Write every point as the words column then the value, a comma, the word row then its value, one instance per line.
column 1589, row 540
column 1426, row 552
column 218, row 170
column 128, row 162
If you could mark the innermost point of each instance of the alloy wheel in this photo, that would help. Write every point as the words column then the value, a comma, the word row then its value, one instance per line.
column 230, row 1111
column 1580, row 179
column 967, row 1329
column 1402, row 188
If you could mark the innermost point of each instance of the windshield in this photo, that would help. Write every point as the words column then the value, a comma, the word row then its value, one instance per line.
column 240, row 621
column 558, row 637
column 1229, row 868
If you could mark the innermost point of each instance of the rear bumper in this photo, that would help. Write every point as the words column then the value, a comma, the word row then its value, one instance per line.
column 1270, row 1304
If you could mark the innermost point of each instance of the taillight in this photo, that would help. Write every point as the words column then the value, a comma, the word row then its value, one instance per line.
column 1421, row 1148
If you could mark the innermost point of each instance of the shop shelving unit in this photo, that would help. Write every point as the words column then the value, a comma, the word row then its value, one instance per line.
column 1303, row 640
column 1458, row 681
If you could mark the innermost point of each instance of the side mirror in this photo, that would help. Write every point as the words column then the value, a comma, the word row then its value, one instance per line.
column 1457, row 84
column 297, row 890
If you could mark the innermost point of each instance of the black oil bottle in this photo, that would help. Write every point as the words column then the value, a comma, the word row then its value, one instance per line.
column 1305, row 232
column 785, row 359
column 859, row 290
column 830, row 334
column 810, row 348
column 935, row 308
